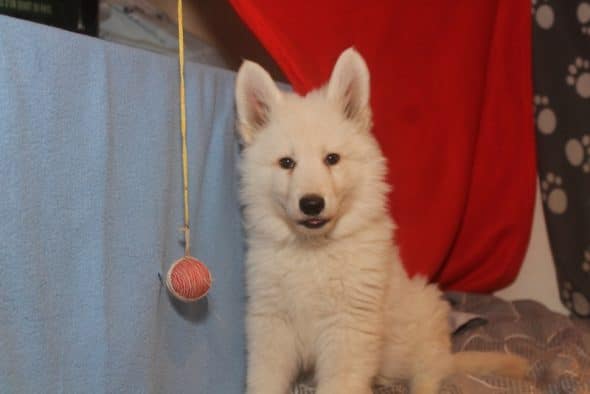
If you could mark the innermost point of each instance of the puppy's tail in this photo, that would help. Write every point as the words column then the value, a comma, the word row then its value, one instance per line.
column 484, row 363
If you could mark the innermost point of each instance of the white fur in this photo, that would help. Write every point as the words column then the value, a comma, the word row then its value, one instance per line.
column 335, row 299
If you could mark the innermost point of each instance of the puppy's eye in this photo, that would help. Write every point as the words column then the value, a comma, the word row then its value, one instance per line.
column 287, row 163
column 332, row 159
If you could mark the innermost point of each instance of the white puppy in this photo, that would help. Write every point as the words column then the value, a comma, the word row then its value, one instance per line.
column 326, row 287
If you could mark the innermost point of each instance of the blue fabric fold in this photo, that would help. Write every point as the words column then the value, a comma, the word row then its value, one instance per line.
column 90, row 214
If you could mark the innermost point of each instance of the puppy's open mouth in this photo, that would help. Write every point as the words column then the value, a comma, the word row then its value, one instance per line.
column 313, row 223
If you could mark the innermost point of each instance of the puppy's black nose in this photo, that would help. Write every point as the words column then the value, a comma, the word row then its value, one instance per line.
column 311, row 204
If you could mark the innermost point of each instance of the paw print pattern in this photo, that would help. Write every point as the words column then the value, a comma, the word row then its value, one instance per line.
column 566, row 295
column 581, row 304
column 583, row 13
column 577, row 152
column 579, row 77
column 586, row 261
column 545, row 118
column 553, row 194
column 574, row 300
column 544, row 14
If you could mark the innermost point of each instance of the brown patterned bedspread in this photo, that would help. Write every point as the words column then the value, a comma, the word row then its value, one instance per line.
column 558, row 347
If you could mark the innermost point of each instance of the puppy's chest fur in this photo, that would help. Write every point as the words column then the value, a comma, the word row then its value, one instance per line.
column 319, row 288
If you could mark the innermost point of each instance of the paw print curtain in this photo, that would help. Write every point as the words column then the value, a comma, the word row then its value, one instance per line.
column 451, row 94
column 561, row 48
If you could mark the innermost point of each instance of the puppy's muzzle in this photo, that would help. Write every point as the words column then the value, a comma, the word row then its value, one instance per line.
column 312, row 205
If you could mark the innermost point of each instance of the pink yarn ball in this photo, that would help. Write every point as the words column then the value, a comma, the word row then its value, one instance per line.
column 188, row 279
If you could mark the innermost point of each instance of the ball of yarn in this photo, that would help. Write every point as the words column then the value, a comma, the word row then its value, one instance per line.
column 188, row 279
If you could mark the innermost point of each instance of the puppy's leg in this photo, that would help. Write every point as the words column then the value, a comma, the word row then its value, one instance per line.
column 425, row 385
column 431, row 367
column 272, row 356
column 347, row 362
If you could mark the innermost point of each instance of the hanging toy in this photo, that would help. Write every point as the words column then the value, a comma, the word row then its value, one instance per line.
column 188, row 279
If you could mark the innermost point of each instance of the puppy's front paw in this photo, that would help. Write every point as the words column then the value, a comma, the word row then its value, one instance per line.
column 268, row 384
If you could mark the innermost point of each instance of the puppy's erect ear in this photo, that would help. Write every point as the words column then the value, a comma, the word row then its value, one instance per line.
column 256, row 95
column 350, row 85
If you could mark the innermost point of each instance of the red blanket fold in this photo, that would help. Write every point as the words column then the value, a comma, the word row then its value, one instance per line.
column 451, row 93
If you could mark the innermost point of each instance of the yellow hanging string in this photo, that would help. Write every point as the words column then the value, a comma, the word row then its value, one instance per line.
column 186, row 228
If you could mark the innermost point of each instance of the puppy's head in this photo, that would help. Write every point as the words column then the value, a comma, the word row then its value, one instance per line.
column 310, row 166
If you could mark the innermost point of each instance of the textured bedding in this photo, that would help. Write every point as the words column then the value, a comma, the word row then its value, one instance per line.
column 558, row 347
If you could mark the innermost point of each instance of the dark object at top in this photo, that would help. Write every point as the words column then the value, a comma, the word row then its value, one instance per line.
column 75, row 15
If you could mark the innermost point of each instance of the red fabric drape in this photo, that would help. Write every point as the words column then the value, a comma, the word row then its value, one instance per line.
column 451, row 94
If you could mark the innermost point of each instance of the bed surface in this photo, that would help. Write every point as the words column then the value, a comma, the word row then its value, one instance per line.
column 557, row 346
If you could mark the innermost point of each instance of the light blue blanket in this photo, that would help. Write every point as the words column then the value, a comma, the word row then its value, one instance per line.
column 90, row 183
